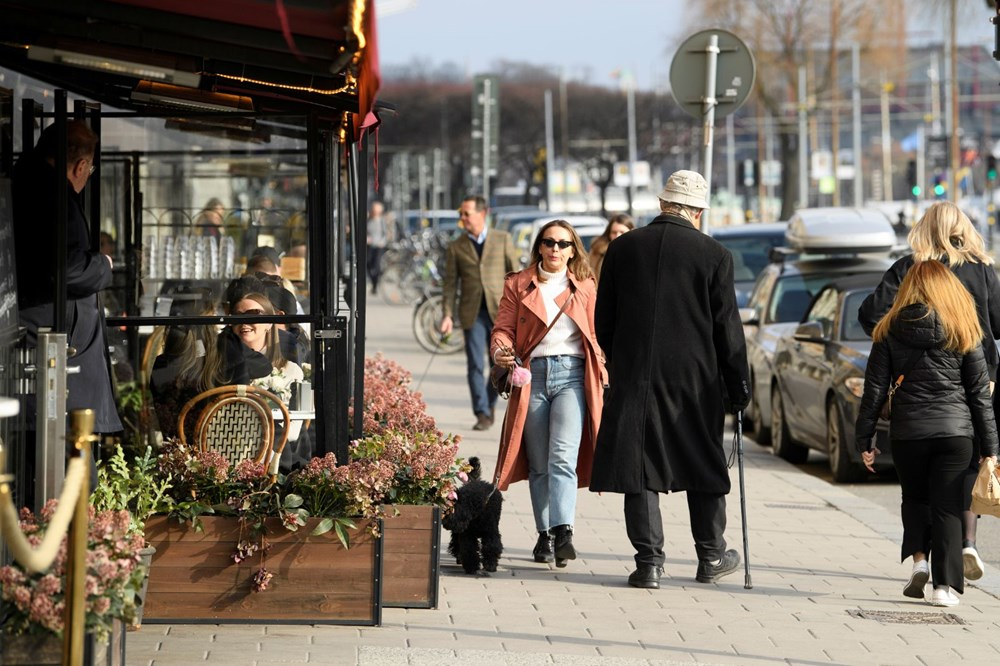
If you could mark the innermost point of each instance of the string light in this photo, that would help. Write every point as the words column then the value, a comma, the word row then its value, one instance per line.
column 284, row 86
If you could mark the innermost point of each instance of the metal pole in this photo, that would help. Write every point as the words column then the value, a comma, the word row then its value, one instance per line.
column 886, row 142
column 859, row 186
column 730, row 157
column 550, row 148
column 631, row 144
column 76, row 565
column 486, row 139
column 709, row 103
column 803, row 143
column 921, row 162
column 956, row 121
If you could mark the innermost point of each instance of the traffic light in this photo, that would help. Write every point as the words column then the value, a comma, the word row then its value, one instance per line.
column 747, row 173
column 911, row 178
column 991, row 168
column 939, row 185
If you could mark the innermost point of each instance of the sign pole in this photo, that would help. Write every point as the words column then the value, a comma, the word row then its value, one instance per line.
column 709, row 103
column 486, row 139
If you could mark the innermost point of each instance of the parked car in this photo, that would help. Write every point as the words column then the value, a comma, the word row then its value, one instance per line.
column 819, row 378
column 785, row 289
column 750, row 245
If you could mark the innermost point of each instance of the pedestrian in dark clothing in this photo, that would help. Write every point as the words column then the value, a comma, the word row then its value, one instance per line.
column 946, row 234
column 932, row 335
column 667, row 321
column 34, row 187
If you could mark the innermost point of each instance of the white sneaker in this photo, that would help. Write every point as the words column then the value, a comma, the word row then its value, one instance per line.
column 972, row 564
column 943, row 596
column 918, row 579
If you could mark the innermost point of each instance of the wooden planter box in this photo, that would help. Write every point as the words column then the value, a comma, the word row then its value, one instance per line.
column 411, row 538
column 316, row 581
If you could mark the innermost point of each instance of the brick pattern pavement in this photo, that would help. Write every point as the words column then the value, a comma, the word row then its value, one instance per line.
column 817, row 552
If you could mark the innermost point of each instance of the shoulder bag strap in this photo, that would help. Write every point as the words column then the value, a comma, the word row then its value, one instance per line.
column 551, row 324
column 910, row 364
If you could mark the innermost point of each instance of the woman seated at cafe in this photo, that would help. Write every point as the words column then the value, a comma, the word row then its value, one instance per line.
column 190, row 363
column 261, row 339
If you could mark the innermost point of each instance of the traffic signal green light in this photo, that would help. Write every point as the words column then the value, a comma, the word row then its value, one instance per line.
column 939, row 190
column 916, row 190
column 991, row 168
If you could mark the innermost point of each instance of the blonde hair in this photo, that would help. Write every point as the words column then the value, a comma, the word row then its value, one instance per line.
column 945, row 231
column 931, row 283
column 578, row 264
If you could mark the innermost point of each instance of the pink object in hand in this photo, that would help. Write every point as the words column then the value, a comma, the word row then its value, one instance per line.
column 520, row 376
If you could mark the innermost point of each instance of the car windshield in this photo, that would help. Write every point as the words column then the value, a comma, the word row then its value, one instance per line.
column 792, row 296
column 852, row 327
column 750, row 254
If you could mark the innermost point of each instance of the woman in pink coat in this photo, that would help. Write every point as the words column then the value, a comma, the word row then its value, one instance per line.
column 546, row 319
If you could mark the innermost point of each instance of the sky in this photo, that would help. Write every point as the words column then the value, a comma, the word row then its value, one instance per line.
column 587, row 38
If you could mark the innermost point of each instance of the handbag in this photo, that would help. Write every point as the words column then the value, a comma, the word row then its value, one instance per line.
column 502, row 378
column 886, row 412
column 986, row 491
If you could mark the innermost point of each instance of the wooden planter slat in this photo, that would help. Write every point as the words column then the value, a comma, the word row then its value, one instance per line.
column 316, row 581
column 411, row 538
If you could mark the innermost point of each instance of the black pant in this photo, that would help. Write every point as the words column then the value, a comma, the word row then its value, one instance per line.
column 930, row 476
column 644, row 525
column 375, row 266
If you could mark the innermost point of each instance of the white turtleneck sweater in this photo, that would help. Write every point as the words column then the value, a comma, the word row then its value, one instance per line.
column 564, row 339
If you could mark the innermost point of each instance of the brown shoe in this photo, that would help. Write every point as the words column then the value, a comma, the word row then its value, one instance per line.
column 483, row 422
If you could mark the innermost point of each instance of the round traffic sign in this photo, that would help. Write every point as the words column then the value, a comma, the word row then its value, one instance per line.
column 734, row 77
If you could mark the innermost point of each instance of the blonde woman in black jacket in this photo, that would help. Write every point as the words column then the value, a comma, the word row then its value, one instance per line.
column 942, row 404
column 945, row 233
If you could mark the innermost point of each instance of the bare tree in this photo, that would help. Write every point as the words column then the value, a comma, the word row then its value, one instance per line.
column 786, row 35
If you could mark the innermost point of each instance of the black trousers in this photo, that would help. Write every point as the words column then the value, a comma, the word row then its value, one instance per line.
column 931, row 475
column 644, row 525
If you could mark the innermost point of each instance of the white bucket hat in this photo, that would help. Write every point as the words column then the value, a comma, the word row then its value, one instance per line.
column 686, row 187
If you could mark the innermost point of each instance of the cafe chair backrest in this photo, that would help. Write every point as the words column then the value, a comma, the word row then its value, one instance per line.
column 236, row 421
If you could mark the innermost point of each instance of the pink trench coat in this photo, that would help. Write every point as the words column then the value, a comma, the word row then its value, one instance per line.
column 520, row 324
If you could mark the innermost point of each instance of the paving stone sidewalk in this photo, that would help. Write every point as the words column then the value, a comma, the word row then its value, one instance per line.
column 826, row 580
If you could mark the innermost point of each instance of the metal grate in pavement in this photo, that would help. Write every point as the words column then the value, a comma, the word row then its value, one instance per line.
column 906, row 617
column 800, row 507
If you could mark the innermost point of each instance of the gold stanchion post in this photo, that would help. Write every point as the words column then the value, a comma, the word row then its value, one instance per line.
column 81, row 437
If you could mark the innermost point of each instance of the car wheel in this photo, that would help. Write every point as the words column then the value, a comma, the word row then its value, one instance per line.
column 843, row 468
column 781, row 440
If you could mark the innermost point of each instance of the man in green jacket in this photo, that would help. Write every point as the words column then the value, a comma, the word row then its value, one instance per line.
column 475, row 265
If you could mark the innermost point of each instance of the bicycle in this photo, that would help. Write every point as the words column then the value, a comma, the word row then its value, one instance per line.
column 427, row 315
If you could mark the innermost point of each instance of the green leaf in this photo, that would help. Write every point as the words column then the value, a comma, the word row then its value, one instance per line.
column 342, row 534
column 292, row 501
column 324, row 526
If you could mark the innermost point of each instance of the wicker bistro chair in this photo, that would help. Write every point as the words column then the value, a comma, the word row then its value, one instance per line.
column 236, row 421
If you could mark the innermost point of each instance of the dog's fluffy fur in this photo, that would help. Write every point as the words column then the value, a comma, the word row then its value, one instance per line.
column 475, row 523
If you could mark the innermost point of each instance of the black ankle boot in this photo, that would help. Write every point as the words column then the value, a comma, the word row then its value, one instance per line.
column 563, row 546
column 543, row 549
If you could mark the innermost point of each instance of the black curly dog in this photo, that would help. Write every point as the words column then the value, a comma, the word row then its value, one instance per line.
column 475, row 523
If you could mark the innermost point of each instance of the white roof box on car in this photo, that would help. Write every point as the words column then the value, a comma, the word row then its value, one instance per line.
column 839, row 231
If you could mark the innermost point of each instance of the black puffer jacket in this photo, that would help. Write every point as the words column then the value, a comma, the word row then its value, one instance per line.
column 946, row 394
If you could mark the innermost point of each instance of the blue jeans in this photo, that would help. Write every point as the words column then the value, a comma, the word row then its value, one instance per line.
column 477, row 344
column 552, row 431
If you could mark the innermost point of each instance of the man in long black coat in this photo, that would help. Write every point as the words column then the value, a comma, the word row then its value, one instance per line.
column 35, row 184
column 667, row 320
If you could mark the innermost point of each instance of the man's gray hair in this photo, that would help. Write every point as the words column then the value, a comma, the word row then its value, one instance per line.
column 680, row 210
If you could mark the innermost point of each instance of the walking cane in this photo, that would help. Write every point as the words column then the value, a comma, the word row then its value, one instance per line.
column 748, row 583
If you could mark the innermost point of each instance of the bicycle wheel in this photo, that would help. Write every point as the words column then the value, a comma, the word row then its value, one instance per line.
column 389, row 286
column 426, row 320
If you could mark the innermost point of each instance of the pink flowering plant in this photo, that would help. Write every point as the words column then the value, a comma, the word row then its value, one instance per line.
column 389, row 404
column 425, row 469
column 35, row 603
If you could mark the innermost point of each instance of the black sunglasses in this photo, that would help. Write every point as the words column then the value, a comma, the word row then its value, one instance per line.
column 551, row 242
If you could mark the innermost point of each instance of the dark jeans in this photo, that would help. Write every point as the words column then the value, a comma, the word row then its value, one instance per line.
column 477, row 344
column 375, row 266
column 644, row 525
column 931, row 480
